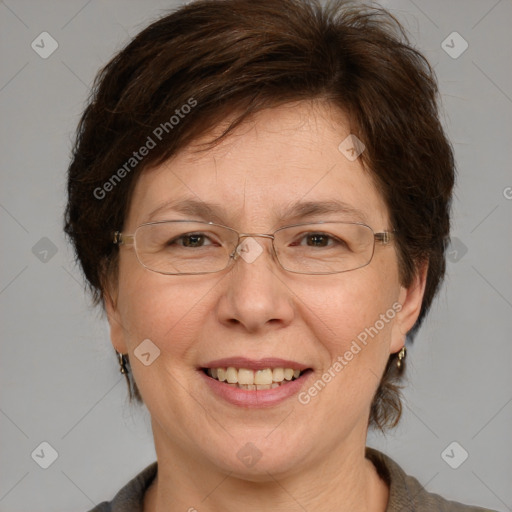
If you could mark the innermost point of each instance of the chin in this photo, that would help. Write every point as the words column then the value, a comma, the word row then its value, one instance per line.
column 261, row 459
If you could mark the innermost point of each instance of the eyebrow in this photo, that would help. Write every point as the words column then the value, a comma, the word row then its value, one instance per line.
column 297, row 210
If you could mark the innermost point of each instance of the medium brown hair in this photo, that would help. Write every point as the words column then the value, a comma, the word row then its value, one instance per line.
column 237, row 57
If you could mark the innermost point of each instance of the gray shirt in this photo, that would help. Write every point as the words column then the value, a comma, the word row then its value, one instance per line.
column 406, row 494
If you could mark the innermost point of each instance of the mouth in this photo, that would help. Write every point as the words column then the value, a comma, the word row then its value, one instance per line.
column 254, row 383
column 255, row 380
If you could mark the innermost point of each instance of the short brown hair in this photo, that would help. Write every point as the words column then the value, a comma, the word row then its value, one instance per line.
column 223, row 57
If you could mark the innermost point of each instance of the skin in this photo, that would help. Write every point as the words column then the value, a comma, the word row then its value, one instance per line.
column 312, row 456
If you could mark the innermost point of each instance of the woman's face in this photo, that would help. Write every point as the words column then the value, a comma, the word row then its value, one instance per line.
column 256, row 311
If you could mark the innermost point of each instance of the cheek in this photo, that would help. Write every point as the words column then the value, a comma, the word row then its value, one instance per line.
column 169, row 313
column 352, row 316
column 168, row 310
column 346, row 305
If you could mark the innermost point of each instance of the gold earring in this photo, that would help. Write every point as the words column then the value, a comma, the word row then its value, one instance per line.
column 401, row 356
column 122, row 363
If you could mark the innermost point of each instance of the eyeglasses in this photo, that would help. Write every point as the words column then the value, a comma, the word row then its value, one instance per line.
column 184, row 247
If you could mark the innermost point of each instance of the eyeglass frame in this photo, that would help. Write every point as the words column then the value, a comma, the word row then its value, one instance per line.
column 383, row 237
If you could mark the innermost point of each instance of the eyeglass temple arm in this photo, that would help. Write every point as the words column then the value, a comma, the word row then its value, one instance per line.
column 121, row 239
column 385, row 237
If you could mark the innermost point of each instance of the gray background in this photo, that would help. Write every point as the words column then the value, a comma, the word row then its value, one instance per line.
column 59, row 377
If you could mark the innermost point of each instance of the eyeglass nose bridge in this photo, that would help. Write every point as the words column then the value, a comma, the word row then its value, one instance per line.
column 236, row 251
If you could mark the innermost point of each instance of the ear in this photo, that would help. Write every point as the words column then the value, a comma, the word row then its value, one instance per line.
column 410, row 299
column 117, row 332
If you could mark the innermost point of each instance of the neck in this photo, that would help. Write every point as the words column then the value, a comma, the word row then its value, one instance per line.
column 344, row 480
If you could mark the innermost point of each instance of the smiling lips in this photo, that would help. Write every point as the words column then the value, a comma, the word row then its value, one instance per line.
column 254, row 375
column 251, row 383
column 245, row 378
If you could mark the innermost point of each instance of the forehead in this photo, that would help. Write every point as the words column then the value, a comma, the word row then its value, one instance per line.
column 281, row 165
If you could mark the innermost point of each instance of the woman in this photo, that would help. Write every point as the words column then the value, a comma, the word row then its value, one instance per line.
column 259, row 198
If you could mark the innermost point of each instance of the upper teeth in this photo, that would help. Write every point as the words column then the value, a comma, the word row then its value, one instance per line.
column 245, row 376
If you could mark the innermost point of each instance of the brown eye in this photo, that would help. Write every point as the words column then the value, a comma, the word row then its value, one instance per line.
column 193, row 240
column 317, row 239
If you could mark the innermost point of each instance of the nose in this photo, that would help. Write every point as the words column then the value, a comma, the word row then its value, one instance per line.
column 255, row 298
